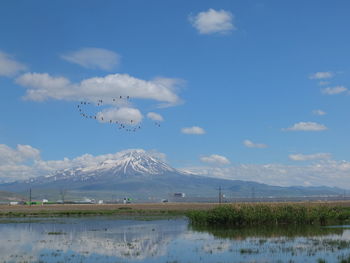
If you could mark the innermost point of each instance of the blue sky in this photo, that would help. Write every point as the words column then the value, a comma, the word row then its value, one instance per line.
column 245, row 72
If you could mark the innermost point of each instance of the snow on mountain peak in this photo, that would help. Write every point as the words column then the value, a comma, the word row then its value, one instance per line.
column 128, row 162
column 136, row 161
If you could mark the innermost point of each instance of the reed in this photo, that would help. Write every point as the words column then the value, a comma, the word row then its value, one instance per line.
column 265, row 214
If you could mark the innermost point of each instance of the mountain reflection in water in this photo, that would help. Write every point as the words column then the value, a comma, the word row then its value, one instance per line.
column 107, row 239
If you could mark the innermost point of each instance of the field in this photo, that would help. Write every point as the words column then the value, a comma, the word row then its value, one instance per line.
column 142, row 209
column 103, row 209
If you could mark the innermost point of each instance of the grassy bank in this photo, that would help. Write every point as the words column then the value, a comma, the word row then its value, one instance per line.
column 105, row 209
column 264, row 214
column 205, row 214
column 117, row 212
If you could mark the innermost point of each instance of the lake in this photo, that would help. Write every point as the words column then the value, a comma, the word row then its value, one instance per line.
column 110, row 239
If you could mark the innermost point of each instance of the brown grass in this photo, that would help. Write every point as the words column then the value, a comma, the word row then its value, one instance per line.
column 146, row 207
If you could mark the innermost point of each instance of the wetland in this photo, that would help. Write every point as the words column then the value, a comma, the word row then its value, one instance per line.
column 172, row 239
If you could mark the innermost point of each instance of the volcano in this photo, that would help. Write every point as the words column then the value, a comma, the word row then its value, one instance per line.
column 140, row 175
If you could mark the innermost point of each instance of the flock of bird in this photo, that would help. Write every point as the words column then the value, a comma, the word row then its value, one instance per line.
column 129, row 126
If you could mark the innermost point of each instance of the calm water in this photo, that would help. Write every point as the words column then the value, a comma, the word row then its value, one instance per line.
column 101, row 239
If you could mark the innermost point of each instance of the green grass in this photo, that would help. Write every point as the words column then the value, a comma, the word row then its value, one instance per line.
column 262, row 214
column 269, row 231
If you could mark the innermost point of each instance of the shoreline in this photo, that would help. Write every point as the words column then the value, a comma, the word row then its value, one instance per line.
column 102, row 209
column 134, row 209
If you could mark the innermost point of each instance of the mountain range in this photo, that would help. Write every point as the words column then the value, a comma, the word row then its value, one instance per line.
column 139, row 175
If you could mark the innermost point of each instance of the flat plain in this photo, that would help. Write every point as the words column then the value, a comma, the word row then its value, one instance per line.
column 142, row 208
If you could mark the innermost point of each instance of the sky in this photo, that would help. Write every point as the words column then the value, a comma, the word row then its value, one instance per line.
column 251, row 90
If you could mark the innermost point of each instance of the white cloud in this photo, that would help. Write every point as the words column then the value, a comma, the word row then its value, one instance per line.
column 21, row 153
column 334, row 90
column 42, row 86
column 215, row 159
column 94, row 58
column 323, row 83
column 193, row 130
column 213, row 21
column 158, row 155
column 8, row 66
column 155, row 116
column 306, row 126
column 322, row 75
column 16, row 162
column 319, row 112
column 310, row 157
column 125, row 115
column 251, row 144
column 324, row 172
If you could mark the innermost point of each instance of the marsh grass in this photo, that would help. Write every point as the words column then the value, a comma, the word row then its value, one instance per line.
column 265, row 214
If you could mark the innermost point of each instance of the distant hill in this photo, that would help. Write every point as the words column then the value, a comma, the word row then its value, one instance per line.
column 139, row 175
column 6, row 196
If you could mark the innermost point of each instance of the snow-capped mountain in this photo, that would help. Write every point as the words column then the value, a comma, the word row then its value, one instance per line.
column 141, row 175
column 130, row 163
column 135, row 162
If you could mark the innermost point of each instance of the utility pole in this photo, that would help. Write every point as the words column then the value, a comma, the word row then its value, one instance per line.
column 220, row 195
column 63, row 193
column 30, row 196
column 253, row 194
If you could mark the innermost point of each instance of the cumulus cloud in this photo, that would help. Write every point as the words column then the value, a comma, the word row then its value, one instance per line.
column 42, row 86
column 215, row 159
column 323, row 172
column 213, row 21
column 154, row 116
column 8, row 66
column 309, row 157
column 20, row 154
column 321, row 75
column 251, row 144
column 193, row 130
column 16, row 162
column 94, row 58
column 125, row 115
column 334, row 90
column 319, row 112
column 306, row 126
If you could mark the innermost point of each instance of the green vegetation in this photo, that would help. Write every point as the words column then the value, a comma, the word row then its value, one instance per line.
column 344, row 259
column 116, row 212
column 268, row 231
column 263, row 214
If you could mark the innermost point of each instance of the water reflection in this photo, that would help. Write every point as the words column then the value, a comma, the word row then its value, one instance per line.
column 291, row 231
column 99, row 239
column 87, row 238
